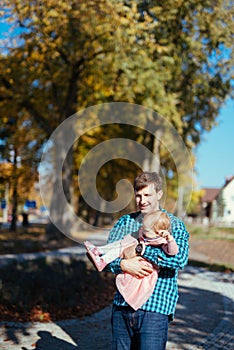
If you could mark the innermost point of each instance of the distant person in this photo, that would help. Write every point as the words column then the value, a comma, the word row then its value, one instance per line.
column 25, row 222
column 155, row 231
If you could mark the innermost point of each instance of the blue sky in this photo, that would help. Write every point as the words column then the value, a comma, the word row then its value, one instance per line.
column 215, row 154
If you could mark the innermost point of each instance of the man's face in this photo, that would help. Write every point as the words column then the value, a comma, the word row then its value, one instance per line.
column 147, row 199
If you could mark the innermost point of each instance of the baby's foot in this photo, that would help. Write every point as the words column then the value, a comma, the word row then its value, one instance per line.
column 92, row 248
column 98, row 262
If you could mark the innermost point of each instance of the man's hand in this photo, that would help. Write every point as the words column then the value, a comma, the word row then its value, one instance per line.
column 137, row 267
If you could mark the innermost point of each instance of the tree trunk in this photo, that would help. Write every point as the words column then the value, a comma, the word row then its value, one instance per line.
column 61, row 215
column 155, row 162
column 13, row 225
column 147, row 157
column 153, row 143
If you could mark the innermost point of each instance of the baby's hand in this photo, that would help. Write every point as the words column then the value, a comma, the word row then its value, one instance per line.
column 165, row 234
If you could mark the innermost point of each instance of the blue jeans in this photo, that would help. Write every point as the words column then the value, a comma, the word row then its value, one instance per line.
column 138, row 330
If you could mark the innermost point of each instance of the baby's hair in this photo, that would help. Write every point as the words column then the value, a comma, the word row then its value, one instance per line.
column 160, row 220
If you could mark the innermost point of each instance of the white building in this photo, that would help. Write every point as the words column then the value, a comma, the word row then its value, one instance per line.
column 226, row 196
column 218, row 204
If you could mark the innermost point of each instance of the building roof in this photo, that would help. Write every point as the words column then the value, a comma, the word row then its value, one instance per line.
column 228, row 180
column 210, row 194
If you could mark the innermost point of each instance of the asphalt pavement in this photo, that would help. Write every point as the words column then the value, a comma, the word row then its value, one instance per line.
column 204, row 318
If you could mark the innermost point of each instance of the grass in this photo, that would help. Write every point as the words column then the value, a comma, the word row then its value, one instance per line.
column 42, row 290
column 29, row 239
column 212, row 267
column 45, row 289
column 211, row 232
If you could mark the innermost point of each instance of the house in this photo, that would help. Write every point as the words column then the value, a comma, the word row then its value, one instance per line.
column 208, row 204
column 218, row 203
column 225, row 199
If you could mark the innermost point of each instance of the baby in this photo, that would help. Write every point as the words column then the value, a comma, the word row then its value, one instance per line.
column 155, row 231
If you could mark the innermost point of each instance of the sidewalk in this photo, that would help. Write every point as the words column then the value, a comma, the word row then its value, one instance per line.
column 204, row 319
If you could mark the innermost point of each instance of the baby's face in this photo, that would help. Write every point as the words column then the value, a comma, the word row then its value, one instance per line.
column 147, row 232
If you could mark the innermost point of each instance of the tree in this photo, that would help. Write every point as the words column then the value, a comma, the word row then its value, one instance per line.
column 58, row 45
column 196, row 56
column 20, row 155
column 174, row 57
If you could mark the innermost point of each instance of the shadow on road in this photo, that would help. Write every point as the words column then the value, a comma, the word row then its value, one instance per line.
column 49, row 342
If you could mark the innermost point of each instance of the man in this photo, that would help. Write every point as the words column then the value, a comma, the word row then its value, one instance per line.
column 147, row 328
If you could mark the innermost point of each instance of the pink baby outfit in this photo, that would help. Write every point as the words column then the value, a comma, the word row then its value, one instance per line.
column 136, row 291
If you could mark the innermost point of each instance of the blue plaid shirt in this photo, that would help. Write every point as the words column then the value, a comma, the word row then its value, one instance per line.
column 165, row 294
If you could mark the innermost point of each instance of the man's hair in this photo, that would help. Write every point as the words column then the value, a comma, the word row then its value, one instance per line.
column 146, row 178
